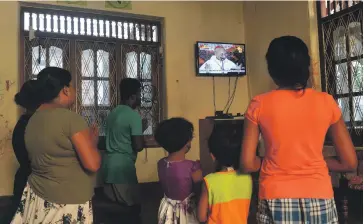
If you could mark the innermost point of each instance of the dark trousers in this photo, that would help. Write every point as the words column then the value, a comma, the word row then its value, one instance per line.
column 111, row 210
column 20, row 181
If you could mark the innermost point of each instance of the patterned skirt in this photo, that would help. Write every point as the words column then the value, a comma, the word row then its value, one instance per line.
column 177, row 212
column 33, row 210
column 297, row 211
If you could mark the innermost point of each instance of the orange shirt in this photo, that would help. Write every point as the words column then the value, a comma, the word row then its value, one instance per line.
column 294, row 125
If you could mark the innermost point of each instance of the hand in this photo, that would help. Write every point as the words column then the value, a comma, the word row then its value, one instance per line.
column 94, row 133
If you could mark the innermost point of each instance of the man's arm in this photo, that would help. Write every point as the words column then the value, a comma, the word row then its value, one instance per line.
column 137, row 138
column 137, row 143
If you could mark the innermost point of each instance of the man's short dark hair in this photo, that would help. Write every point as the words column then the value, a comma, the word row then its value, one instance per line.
column 129, row 87
column 173, row 134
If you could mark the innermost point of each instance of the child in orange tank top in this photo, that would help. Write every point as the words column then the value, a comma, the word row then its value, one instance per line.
column 225, row 196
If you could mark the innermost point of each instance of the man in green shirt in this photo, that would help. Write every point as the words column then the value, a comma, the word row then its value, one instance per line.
column 124, row 139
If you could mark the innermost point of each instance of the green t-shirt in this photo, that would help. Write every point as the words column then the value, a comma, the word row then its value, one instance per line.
column 57, row 175
column 119, row 161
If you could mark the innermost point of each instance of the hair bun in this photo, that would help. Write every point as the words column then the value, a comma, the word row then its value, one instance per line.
column 27, row 96
column 49, row 83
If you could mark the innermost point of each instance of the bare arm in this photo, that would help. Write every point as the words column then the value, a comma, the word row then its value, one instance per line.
column 249, row 162
column 203, row 205
column 197, row 179
column 137, row 126
column 86, row 148
column 344, row 147
column 197, row 176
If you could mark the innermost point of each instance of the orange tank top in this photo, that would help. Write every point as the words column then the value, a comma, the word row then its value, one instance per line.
column 229, row 197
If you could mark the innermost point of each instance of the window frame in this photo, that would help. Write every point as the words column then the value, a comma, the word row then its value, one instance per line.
column 106, row 15
column 95, row 107
column 330, row 76
column 149, row 139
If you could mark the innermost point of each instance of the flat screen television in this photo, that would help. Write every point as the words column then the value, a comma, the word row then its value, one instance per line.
column 220, row 59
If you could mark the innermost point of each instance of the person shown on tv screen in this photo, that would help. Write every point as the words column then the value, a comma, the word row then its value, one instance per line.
column 218, row 63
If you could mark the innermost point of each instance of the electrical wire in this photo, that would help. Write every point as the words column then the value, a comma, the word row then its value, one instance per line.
column 229, row 97
column 229, row 88
column 213, row 93
column 233, row 95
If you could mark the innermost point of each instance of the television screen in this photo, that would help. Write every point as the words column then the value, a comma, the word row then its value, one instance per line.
column 220, row 59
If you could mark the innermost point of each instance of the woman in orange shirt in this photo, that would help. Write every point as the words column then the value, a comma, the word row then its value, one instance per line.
column 294, row 186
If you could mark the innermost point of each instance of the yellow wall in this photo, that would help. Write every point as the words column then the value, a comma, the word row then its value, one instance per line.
column 187, row 95
column 253, row 23
column 8, row 71
column 265, row 21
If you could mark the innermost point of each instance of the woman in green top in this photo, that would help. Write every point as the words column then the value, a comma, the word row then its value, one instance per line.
column 63, row 154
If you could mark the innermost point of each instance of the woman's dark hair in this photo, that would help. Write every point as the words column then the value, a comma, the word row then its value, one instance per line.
column 225, row 145
column 50, row 81
column 24, row 99
column 173, row 134
column 289, row 62
column 129, row 87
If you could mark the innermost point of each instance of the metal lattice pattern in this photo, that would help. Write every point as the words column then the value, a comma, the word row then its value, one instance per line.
column 139, row 63
column 96, row 81
column 330, row 7
column 96, row 74
column 99, row 51
column 343, row 57
column 45, row 52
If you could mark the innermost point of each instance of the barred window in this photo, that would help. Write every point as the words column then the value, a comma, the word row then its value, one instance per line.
column 341, row 49
column 99, row 51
